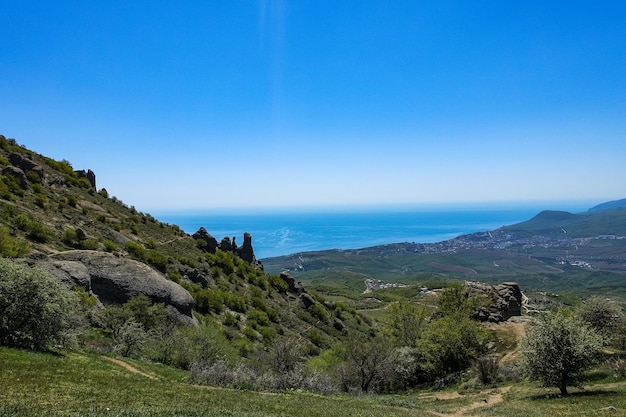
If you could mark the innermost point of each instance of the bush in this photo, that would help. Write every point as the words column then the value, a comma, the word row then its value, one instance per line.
column 35, row 309
column 136, row 250
column 11, row 247
column 558, row 349
column 109, row 245
column 487, row 369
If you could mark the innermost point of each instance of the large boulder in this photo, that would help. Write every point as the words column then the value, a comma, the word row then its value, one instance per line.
column 114, row 280
column 18, row 174
column 26, row 164
column 504, row 300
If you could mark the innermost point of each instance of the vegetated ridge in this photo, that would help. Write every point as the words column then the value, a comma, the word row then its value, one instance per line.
column 53, row 217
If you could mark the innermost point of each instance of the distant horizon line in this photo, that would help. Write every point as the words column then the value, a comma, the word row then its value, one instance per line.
column 547, row 204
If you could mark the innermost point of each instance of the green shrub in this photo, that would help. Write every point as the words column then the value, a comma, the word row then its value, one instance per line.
column 41, row 201
column 259, row 317
column 35, row 309
column 63, row 166
column 317, row 310
column 157, row 259
column 72, row 200
column 109, row 245
column 13, row 185
column 34, row 178
column 230, row 319
column 174, row 275
column 268, row 333
column 72, row 180
column 235, row 302
column 89, row 244
column 11, row 247
column 37, row 188
column 209, row 301
column 104, row 193
column 136, row 250
column 278, row 283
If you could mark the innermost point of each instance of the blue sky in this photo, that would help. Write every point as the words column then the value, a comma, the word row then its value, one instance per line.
column 242, row 104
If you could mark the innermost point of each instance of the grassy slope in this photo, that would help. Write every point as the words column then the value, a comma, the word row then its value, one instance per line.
column 79, row 384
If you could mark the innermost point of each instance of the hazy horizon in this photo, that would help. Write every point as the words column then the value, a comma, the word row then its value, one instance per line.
column 243, row 105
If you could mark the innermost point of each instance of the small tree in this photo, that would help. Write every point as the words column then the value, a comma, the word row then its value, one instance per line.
column 36, row 310
column 369, row 363
column 406, row 322
column 558, row 349
column 604, row 316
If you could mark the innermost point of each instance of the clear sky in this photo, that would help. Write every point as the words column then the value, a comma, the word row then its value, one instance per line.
column 243, row 103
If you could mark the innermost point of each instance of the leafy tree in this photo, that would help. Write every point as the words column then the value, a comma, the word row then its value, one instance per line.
column 602, row 315
column 454, row 300
column 451, row 344
column 406, row 322
column 369, row 363
column 559, row 349
column 36, row 310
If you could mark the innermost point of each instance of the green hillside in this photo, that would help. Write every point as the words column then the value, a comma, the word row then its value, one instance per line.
column 105, row 310
column 47, row 208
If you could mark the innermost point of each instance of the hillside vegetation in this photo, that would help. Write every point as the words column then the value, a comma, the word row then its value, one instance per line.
column 118, row 312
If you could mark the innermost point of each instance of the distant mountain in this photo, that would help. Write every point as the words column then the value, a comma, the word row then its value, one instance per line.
column 557, row 223
column 610, row 205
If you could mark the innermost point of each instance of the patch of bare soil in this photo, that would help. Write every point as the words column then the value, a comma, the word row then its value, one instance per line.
column 129, row 367
column 492, row 398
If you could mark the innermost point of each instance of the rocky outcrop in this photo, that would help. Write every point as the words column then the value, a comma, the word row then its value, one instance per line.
column 307, row 300
column 18, row 174
column 211, row 242
column 291, row 283
column 194, row 275
column 114, row 280
column 26, row 164
column 245, row 252
column 89, row 175
column 505, row 301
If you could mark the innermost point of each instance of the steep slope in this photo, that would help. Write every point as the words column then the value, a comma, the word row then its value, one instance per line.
column 54, row 217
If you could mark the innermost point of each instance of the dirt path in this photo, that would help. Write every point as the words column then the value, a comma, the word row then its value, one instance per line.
column 129, row 367
column 494, row 397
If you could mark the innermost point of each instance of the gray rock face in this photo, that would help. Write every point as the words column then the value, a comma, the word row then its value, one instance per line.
column 506, row 301
column 211, row 242
column 245, row 252
column 307, row 300
column 115, row 280
column 26, row 164
column 17, row 173
column 89, row 175
column 291, row 283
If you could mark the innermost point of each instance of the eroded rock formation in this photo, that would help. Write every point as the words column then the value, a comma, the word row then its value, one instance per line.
column 505, row 300
column 245, row 252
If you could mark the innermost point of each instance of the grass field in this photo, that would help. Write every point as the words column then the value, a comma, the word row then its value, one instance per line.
column 85, row 384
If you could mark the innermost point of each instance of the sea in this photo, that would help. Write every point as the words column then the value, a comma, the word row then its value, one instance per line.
column 283, row 232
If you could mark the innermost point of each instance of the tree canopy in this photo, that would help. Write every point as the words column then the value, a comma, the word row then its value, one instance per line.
column 558, row 349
